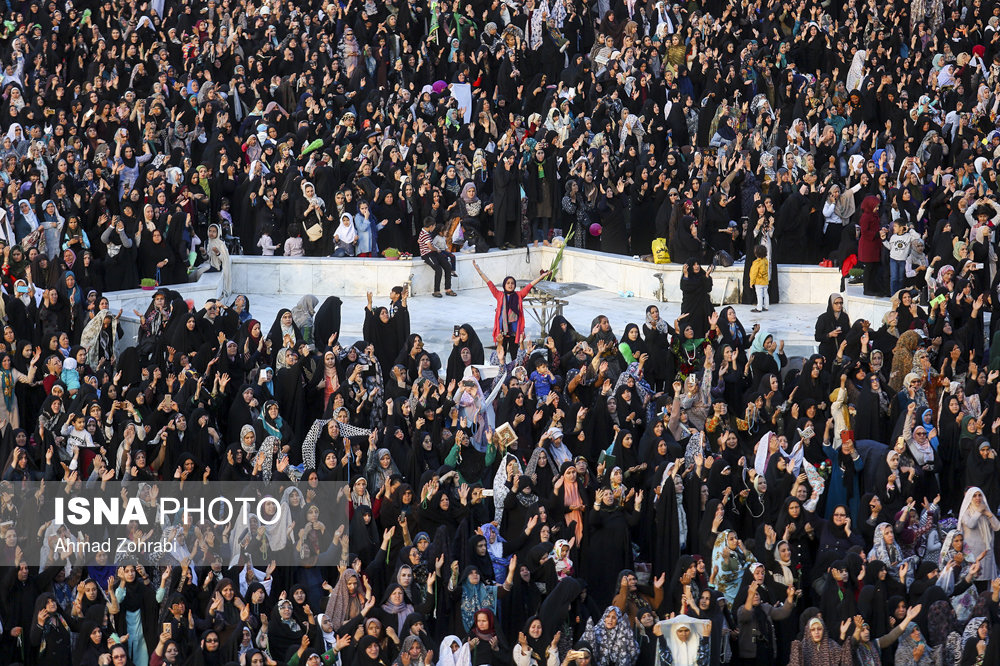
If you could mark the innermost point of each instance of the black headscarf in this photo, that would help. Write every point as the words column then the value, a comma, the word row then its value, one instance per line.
column 326, row 321
column 556, row 607
column 456, row 367
column 564, row 340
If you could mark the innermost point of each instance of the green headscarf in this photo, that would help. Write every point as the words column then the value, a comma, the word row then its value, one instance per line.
column 758, row 342
column 689, row 345
column 965, row 432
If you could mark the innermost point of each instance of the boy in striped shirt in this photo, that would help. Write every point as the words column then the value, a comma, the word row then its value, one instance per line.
column 433, row 258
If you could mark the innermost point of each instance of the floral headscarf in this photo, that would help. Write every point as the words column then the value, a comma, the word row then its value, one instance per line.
column 342, row 604
column 727, row 581
column 890, row 554
column 500, row 487
column 948, row 553
column 615, row 647
column 971, row 629
column 941, row 621
column 907, row 644
column 475, row 598
column 494, row 546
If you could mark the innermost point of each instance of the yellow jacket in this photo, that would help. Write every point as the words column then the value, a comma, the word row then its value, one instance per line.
column 759, row 273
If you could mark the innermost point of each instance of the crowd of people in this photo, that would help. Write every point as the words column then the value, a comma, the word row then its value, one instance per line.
column 681, row 493
column 348, row 129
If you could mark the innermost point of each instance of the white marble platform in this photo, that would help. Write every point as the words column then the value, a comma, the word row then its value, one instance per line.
column 138, row 299
column 328, row 275
column 276, row 282
column 858, row 305
column 356, row 277
column 796, row 284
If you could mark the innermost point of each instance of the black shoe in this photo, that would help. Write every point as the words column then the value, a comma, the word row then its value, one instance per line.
column 437, row 294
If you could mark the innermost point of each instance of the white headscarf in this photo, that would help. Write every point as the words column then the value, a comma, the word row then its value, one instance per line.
column 346, row 233
column 762, row 455
column 683, row 653
column 500, row 488
column 945, row 77
column 329, row 637
column 314, row 199
column 922, row 453
column 12, row 133
column 463, row 657
column 30, row 217
column 220, row 261
column 970, row 511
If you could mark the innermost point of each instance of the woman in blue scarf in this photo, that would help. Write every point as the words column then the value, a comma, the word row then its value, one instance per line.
column 25, row 220
column 367, row 227
column 70, row 290
column 732, row 333
column 452, row 183
column 766, row 356
column 495, row 548
column 52, row 224
column 270, row 424
column 472, row 595
column 729, row 560
column 241, row 306
column 927, row 421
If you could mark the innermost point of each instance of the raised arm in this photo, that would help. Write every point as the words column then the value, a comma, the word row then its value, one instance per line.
column 492, row 287
column 539, row 278
column 481, row 274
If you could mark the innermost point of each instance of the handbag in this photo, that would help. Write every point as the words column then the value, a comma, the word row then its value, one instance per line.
column 965, row 603
column 31, row 240
column 315, row 232
column 722, row 258
column 661, row 254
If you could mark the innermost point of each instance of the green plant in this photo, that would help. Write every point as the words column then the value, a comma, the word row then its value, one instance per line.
column 559, row 255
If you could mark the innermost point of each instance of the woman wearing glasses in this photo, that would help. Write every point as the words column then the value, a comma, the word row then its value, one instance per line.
column 832, row 327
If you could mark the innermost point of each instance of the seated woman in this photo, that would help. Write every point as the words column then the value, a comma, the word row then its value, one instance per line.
column 909, row 314
column 270, row 424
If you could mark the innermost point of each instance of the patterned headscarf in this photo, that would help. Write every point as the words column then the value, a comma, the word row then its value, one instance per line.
column 941, row 621
column 494, row 546
column 342, row 606
column 500, row 487
column 248, row 449
column 475, row 598
column 270, row 445
column 971, row 629
column 890, row 554
column 948, row 553
column 615, row 646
